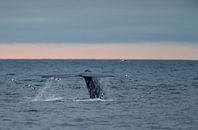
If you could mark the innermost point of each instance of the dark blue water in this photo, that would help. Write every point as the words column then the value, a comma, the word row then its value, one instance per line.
column 143, row 95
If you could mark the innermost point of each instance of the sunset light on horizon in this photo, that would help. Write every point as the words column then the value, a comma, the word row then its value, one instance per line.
column 99, row 51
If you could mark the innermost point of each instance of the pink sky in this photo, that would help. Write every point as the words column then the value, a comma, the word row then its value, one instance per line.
column 99, row 51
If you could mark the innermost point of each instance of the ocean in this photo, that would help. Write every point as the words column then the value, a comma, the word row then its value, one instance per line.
column 142, row 95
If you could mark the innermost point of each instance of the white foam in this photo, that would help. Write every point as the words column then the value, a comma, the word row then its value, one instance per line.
column 93, row 100
column 48, row 99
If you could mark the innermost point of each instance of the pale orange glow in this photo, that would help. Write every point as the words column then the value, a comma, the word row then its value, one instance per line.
column 99, row 51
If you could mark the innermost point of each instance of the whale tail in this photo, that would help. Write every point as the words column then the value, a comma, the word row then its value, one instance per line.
column 93, row 86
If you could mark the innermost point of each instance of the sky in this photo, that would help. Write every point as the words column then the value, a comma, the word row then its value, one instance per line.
column 151, row 26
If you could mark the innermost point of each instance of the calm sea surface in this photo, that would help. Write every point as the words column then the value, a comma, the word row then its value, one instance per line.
column 143, row 95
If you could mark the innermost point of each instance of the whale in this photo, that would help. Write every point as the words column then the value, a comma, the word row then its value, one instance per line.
column 93, row 86
column 91, row 79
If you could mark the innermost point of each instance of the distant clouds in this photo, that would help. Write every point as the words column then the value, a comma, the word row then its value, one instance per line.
column 98, row 21
column 28, row 20
column 32, row 20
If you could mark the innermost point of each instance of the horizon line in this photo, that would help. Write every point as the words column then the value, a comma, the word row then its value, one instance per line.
column 119, row 59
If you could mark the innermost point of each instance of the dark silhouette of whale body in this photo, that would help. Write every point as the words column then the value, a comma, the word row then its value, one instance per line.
column 93, row 86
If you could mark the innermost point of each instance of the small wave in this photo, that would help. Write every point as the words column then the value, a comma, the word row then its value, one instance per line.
column 47, row 99
column 93, row 100
column 10, row 74
column 73, row 99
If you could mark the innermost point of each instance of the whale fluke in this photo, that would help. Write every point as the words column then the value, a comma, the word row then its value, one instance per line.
column 93, row 86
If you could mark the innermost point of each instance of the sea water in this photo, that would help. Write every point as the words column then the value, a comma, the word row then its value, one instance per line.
column 142, row 95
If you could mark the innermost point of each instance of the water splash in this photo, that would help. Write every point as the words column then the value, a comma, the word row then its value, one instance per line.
column 44, row 94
